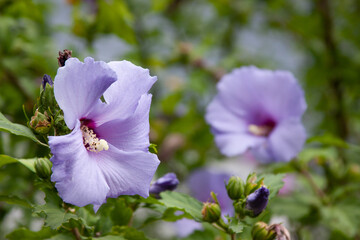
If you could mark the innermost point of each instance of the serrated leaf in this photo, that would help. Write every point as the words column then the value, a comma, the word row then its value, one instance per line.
column 274, row 182
column 17, row 129
column 29, row 163
column 54, row 217
column 15, row 200
column 23, row 233
column 235, row 225
column 182, row 202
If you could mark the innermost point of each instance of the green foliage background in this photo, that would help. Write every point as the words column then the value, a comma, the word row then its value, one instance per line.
column 189, row 45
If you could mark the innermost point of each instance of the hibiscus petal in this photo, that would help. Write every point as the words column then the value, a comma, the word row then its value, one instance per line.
column 234, row 144
column 78, row 178
column 131, row 133
column 78, row 87
column 223, row 119
column 128, row 173
column 123, row 96
column 287, row 139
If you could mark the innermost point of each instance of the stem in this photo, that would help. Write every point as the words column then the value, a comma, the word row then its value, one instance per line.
column 313, row 185
column 335, row 82
column 76, row 233
column 233, row 236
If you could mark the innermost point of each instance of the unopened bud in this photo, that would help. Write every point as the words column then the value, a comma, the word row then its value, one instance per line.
column 257, row 201
column 235, row 188
column 167, row 182
column 281, row 232
column 250, row 183
column 211, row 212
column 261, row 231
column 46, row 80
column 43, row 167
column 39, row 122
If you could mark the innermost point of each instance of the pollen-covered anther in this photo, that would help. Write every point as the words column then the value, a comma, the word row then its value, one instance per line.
column 260, row 130
column 91, row 142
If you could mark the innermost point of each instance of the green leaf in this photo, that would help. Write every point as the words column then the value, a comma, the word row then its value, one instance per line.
column 129, row 233
column 110, row 237
column 121, row 214
column 182, row 202
column 17, row 129
column 54, row 217
column 329, row 140
column 23, row 233
column 29, row 163
column 15, row 200
column 274, row 182
column 335, row 218
column 235, row 225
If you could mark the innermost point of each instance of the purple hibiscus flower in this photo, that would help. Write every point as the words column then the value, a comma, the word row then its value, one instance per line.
column 259, row 110
column 168, row 182
column 106, row 154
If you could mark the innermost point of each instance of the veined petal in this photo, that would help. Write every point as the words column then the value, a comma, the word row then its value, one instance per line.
column 287, row 140
column 131, row 133
column 78, row 87
column 233, row 144
column 128, row 173
column 78, row 178
column 123, row 96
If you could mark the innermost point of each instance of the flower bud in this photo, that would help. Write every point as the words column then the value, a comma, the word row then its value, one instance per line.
column 211, row 212
column 261, row 231
column 167, row 182
column 39, row 122
column 250, row 183
column 43, row 167
column 256, row 202
column 46, row 80
column 281, row 232
column 235, row 188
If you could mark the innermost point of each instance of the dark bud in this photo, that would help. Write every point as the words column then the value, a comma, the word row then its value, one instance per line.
column 261, row 231
column 235, row 188
column 40, row 122
column 63, row 56
column 256, row 202
column 46, row 80
column 43, row 167
column 211, row 212
column 167, row 182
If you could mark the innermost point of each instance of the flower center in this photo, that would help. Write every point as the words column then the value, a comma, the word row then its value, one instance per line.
column 263, row 130
column 91, row 142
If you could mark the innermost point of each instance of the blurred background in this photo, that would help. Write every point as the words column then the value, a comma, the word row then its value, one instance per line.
column 188, row 45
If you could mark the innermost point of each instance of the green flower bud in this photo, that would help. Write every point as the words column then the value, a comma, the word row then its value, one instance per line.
column 261, row 231
column 43, row 167
column 40, row 123
column 235, row 188
column 211, row 212
column 47, row 97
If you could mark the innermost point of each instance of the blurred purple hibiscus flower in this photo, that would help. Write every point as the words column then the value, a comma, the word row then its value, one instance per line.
column 106, row 154
column 168, row 182
column 201, row 182
column 259, row 110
